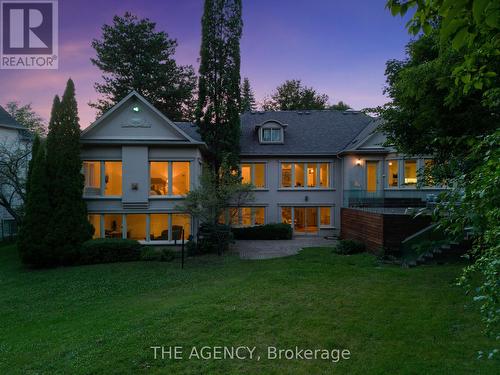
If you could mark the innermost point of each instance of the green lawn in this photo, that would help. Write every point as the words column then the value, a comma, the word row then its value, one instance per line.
column 104, row 318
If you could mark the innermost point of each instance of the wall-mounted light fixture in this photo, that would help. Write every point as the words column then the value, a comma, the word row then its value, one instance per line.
column 358, row 162
column 390, row 163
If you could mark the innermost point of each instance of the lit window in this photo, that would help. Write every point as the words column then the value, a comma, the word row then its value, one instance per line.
column 95, row 220
column 113, row 226
column 286, row 215
column 286, row 175
column 410, row 172
column 259, row 213
column 325, row 216
column 234, row 216
column 92, row 174
column 136, row 227
column 324, row 180
column 259, row 175
column 158, row 174
column 246, row 173
column 180, row 177
column 246, row 216
column 299, row 175
column 392, row 171
column 180, row 222
column 254, row 173
column 113, row 178
column 311, row 175
column 158, row 227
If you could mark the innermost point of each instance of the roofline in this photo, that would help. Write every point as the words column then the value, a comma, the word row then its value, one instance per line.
column 12, row 126
column 141, row 142
column 144, row 101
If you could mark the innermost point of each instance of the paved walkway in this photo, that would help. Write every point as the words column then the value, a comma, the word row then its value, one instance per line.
column 264, row 249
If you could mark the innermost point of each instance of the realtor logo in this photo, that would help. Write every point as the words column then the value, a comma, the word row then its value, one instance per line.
column 28, row 34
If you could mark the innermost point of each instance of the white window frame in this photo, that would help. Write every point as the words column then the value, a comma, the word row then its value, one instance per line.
column 273, row 130
column 304, row 164
column 318, row 207
column 252, row 173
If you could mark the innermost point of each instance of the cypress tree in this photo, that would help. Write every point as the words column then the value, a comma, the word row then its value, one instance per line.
column 247, row 97
column 34, row 151
column 32, row 243
column 219, row 97
column 69, row 226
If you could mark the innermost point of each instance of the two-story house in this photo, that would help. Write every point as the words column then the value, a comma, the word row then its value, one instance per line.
column 305, row 165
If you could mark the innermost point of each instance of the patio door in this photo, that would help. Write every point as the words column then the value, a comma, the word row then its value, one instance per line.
column 306, row 220
column 372, row 179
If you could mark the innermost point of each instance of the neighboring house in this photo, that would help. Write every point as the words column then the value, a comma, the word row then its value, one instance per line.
column 12, row 135
column 305, row 166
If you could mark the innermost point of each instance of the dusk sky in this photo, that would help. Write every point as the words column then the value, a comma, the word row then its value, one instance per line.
column 337, row 47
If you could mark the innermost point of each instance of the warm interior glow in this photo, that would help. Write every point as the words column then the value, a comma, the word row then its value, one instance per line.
column 324, row 175
column 113, row 178
column 158, row 172
column 311, row 175
column 113, row 226
column 180, row 177
column 259, row 213
column 259, row 175
column 95, row 220
column 179, row 222
column 410, row 172
column 246, row 216
column 358, row 162
column 286, row 215
column 392, row 174
column 136, row 227
column 158, row 227
column 299, row 175
column 92, row 173
column 371, row 176
column 246, row 173
column 325, row 216
column 286, row 175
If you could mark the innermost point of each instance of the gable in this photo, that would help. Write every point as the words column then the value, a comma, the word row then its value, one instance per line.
column 134, row 119
column 375, row 140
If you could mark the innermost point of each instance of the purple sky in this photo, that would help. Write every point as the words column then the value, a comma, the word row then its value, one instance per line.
column 338, row 47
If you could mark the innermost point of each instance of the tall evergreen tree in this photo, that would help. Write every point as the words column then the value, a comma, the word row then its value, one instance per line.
column 34, row 151
column 219, row 97
column 247, row 97
column 69, row 226
column 133, row 55
column 32, row 243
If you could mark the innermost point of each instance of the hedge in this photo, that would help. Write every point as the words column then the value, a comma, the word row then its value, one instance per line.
column 277, row 231
column 109, row 250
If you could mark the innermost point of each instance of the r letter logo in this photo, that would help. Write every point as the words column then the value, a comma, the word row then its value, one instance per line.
column 28, row 34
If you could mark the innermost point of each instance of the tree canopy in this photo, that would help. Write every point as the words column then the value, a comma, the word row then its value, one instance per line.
column 219, row 96
column 293, row 95
column 25, row 115
column 247, row 97
column 134, row 56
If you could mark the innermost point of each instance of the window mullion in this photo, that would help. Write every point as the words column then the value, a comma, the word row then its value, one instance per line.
column 292, row 165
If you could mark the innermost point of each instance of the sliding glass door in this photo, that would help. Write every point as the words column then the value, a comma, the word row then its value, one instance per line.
column 306, row 220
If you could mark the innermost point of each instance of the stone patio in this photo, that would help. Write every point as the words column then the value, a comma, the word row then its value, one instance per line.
column 264, row 249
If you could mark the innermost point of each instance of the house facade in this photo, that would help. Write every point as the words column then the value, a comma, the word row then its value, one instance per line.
column 305, row 166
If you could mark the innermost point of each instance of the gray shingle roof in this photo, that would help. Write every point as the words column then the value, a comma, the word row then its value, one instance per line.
column 307, row 133
column 190, row 129
column 8, row 121
column 365, row 133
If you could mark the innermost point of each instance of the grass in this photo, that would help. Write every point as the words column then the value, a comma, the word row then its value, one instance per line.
column 104, row 318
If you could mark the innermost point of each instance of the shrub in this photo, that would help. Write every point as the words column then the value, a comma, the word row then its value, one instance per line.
column 214, row 238
column 109, row 250
column 149, row 253
column 277, row 231
column 346, row 247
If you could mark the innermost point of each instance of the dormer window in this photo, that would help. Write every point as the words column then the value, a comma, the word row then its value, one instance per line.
column 271, row 132
column 272, row 135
